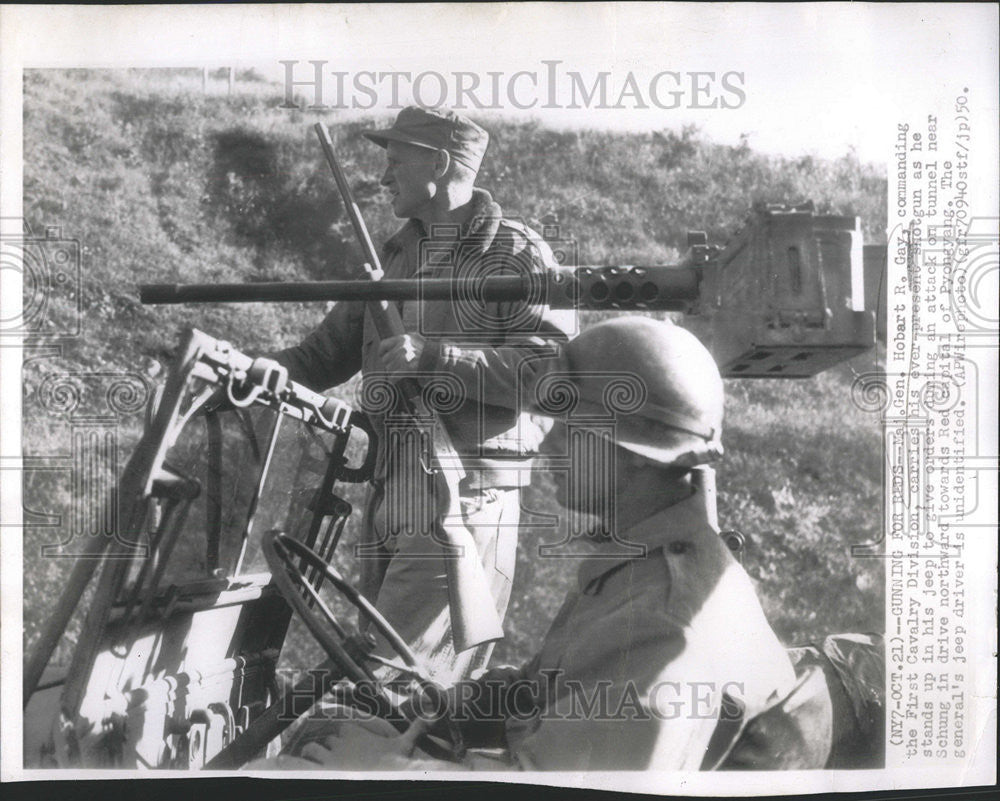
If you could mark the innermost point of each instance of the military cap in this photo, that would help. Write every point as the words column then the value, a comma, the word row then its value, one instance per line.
column 437, row 130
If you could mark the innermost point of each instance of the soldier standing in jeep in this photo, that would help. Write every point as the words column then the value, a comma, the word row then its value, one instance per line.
column 433, row 160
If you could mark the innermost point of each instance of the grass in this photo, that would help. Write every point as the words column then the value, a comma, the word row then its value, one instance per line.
column 160, row 182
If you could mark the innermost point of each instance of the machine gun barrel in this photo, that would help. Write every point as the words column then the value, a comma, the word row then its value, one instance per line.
column 670, row 288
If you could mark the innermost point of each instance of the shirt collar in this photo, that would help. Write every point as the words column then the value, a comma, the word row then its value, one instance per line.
column 682, row 520
column 483, row 222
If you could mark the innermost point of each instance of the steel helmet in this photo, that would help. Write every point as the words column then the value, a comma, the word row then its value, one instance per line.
column 658, row 381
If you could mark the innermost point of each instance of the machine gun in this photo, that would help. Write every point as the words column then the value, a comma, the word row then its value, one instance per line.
column 785, row 297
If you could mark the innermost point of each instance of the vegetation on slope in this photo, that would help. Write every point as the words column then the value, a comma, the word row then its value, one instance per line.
column 160, row 182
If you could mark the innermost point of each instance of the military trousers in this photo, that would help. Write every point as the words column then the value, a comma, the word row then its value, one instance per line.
column 413, row 592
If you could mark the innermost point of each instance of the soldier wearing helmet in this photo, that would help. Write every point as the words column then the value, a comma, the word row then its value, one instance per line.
column 661, row 656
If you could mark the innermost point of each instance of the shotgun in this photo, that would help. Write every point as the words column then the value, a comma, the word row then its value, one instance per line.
column 473, row 612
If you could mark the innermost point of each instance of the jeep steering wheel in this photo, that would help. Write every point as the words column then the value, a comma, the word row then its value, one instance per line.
column 289, row 560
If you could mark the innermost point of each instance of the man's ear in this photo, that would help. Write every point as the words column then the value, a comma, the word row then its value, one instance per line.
column 442, row 161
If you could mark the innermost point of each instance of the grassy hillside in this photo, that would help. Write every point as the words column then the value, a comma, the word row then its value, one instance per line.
column 162, row 183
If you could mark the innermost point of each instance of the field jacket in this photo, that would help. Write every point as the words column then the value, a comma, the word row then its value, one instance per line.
column 654, row 662
column 485, row 351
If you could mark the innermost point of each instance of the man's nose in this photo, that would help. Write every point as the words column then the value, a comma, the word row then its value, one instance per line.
column 386, row 177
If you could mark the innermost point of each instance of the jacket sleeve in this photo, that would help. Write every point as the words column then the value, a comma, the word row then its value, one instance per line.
column 331, row 353
column 499, row 369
